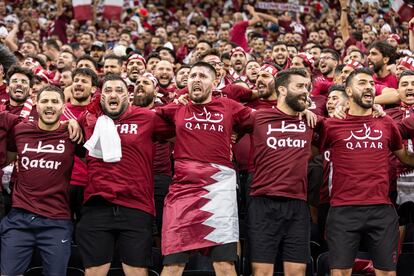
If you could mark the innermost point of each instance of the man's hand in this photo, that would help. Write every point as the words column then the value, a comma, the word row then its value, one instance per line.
column 75, row 131
column 344, row 3
column 378, row 111
column 250, row 9
column 183, row 99
column 340, row 112
column 311, row 118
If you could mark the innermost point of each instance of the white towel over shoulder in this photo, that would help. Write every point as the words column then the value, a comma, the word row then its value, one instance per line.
column 105, row 142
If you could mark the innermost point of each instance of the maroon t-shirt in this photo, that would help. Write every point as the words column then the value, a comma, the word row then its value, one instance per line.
column 16, row 110
column 282, row 147
column 360, row 148
column 389, row 81
column 7, row 122
column 243, row 150
column 80, row 171
column 318, row 105
column 128, row 182
column 45, row 166
column 4, row 96
column 238, row 34
column 203, row 131
column 162, row 157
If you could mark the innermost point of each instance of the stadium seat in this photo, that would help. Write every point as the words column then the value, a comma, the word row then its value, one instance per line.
column 70, row 271
column 405, row 265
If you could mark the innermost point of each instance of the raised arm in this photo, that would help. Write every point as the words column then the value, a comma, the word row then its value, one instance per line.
column 411, row 34
column 344, row 20
column 255, row 17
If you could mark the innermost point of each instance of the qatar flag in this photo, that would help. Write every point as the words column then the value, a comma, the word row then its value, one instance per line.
column 200, row 210
column 113, row 9
column 82, row 9
column 404, row 10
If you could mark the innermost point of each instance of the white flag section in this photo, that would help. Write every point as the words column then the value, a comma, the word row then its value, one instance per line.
column 222, row 196
column 83, row 9
column 200, row 210
column 113, row 9
column 404, row 10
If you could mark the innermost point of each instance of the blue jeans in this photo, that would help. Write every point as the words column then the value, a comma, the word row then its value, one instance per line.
column 22, row 231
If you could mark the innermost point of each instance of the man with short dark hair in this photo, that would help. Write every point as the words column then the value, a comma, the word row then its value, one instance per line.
column 277, row 212
column 280, row 55
column 119, row 201
column 112, row 65
column 204, row 181
column 40, row 216
column 381, row 54
column 19, row 89
column 360, row 204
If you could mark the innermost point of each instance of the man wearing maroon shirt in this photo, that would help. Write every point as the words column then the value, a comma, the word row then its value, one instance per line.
column 85, row 82
column 360, row 205
column 328, row 60
column 381, row 54
column 145, row 95
column 41, row 215
column 7, row 122
column 19, row 90
column 238, row 32
column 119, row 197
column 200, row 211
column 280, row 55
column 164, row 72
column 401, row 174
column 277, row 211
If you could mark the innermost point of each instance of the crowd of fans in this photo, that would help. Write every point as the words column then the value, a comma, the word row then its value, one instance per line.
column 149, row 72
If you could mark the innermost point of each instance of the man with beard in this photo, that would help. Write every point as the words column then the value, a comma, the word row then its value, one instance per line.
column 85, row 83
column 381, row 54
column 252, row 71
column 360, row 204
column 145, row 95
column 277, row 212
column 181, row 76
column 328, row 60
column 221, row 89
column 238, row 61
column 98, row 51
column 87, row 61
column 164, row 72
column 66, row 78
column 40, row 216
column 401, row 175
column 280, row 55
column 203, row 170
column 267, row 98
column 119, row 201
column 384, row 95
column 19, row 90
column 112, row 65
column 185, row 52
column 135, row 67
column 203, row 46
column 66, row 59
